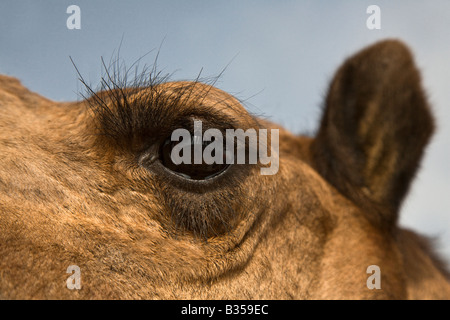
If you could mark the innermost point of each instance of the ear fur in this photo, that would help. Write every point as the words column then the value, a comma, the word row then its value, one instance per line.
column 374, row 129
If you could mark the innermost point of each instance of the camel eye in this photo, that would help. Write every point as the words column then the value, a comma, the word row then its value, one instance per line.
column 188, row 169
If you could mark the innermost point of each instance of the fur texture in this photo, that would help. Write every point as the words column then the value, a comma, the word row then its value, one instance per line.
column 82, row 184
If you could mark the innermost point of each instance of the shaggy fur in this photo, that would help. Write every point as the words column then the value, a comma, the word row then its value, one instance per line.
column 83, row 184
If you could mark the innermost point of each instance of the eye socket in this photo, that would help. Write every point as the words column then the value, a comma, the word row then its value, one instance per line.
column 191, row 170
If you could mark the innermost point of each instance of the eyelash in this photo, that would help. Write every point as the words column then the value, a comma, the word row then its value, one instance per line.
column 202, row 207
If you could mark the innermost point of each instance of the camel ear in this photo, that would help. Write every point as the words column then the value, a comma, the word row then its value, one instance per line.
column 374, row 129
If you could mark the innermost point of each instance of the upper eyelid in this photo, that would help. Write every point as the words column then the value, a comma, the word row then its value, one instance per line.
column 135, row 116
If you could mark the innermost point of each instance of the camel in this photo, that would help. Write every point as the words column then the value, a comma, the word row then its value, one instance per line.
column 88, row 187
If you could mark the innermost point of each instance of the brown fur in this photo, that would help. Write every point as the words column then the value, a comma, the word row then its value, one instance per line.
column 73, row 191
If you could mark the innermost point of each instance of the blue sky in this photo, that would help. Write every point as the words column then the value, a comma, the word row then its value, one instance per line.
column 280, row 56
